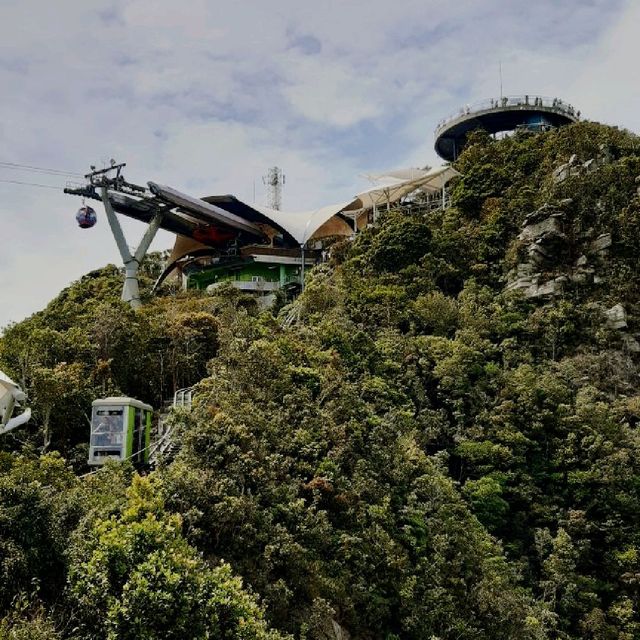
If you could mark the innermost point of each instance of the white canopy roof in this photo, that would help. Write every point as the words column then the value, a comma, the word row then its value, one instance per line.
column 303, row 224
column 396, row 175
column 395, row 186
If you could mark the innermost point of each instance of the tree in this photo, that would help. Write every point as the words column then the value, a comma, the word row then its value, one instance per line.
column 135, row 576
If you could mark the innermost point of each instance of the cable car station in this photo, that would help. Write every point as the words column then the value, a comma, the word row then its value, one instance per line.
column 223, row 239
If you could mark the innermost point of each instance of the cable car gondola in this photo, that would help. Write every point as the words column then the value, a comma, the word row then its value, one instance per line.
column 120, row 430
column 86, row 217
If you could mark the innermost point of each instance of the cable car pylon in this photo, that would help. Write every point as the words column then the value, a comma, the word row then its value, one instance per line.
column 102, row 180
column 132, row 262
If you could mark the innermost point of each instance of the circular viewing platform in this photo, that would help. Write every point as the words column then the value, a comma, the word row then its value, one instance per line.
column 501, row 114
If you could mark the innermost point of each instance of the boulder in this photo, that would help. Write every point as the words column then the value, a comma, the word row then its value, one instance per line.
column 549, row 288
column 582, row 276
column 561, row 173
column 534, row 229
column 605, row 154
column 630, row 343
column 524, row 283
column 601, row 244
column 531, row 286
column 332, row 630
column 524, row 270
column 538, row 255
column 616, row 317
column 548, row 248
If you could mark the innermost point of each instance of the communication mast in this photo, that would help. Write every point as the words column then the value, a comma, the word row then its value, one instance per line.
column 274, row 181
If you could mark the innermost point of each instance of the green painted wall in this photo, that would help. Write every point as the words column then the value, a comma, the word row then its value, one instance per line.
column 130, row 424
column 269, row 273
column 147, row 436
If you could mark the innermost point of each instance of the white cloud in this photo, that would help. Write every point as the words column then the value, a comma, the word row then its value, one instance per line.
column 330, row 93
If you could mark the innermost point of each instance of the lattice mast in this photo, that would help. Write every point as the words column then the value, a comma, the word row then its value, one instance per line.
column 274, row 181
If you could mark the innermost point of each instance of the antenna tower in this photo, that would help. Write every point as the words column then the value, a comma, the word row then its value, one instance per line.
column 274, row 181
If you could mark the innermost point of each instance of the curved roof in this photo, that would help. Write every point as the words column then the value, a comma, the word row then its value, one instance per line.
column 301, row 225
column 395, row 185
column 191, row 217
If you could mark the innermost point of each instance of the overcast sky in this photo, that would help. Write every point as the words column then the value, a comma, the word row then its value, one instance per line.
column 205, row 95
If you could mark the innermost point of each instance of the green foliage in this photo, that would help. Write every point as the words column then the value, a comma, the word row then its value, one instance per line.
column 317, row 491
column 134, row 576
column 28, row 623
column 31, row 534
column 88, row 344
column 401, row 241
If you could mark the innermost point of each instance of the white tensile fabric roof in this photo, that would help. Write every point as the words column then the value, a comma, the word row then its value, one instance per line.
column 397, row 175
column 302, row 224
column 395, row 186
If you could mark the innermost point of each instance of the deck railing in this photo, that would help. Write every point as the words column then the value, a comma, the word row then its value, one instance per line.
column 556, row 104
column 182, row 398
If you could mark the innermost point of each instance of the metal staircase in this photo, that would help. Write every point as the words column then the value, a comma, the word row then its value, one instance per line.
column 167, row 444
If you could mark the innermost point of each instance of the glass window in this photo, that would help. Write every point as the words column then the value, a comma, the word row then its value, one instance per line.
column 107, row 427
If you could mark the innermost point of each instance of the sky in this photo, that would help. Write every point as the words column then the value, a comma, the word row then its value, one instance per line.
column 206, row 95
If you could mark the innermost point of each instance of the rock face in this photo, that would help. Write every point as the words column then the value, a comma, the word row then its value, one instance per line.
column 630, row 343
column 601, row 244
column 574, row 168
column 543, row 230
column 532, row 287
column 545, row 220
column 547, row 269
column 332, row 630
column 616, row 317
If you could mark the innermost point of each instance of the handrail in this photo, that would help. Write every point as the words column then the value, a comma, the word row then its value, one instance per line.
column 182, row 397
column 509, row 101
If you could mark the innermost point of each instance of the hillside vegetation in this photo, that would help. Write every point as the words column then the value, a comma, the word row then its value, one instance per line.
column 438, row 439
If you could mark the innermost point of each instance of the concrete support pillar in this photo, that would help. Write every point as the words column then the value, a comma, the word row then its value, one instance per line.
column 130, row 289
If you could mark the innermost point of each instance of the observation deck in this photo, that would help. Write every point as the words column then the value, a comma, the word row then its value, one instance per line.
column 501, row 114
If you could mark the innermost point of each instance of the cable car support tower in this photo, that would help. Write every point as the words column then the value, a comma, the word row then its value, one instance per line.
column 100, row 182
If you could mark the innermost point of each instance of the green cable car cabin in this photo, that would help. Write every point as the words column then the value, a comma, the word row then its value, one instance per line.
column 120, row 430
